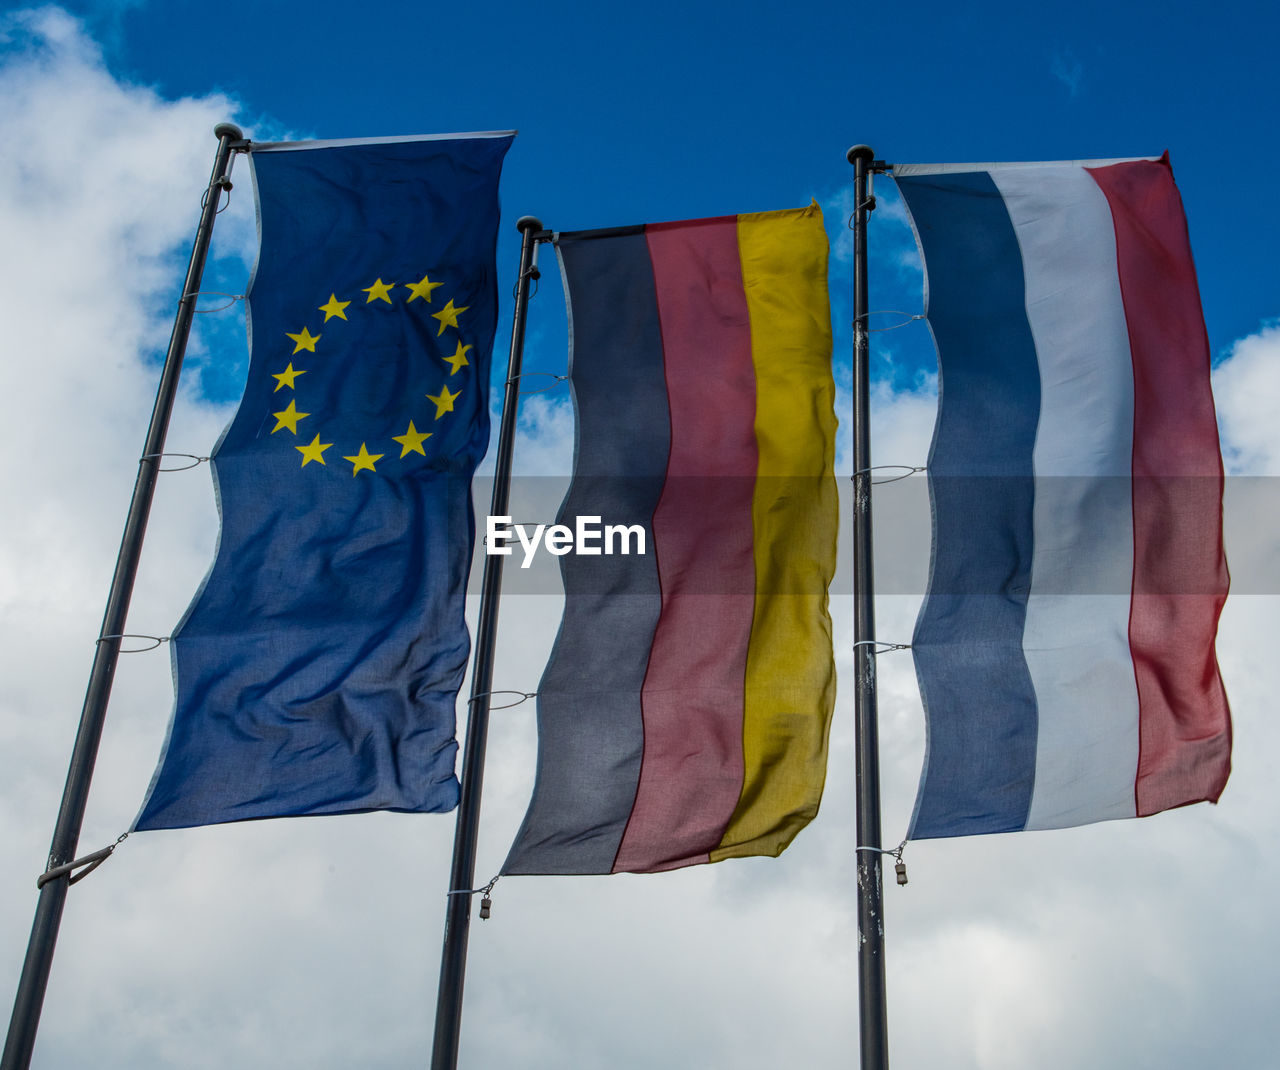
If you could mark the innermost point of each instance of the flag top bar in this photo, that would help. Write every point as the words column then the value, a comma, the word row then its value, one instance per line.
column 337, row 143
column 641, row 228
column 905, row 169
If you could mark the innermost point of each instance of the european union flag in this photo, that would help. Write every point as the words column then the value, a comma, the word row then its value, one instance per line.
column 317, row 670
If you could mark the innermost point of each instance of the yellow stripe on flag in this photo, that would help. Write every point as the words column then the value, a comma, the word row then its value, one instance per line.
column 790, row 675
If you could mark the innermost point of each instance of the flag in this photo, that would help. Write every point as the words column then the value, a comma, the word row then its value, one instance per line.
column 317, row 670
column 684, row 712
column 1065, row 649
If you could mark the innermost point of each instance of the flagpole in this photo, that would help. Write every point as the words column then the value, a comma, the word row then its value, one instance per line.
column 53, row 892
column 872, row 1016
column 453, row 957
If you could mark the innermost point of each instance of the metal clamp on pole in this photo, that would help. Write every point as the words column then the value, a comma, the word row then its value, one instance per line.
column 92, row 861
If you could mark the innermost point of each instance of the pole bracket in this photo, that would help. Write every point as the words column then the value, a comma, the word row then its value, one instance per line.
column 558, row 379
column 523, row 696
column 899, row 866
column 880, row 646
column 154, row 640
column 196, row 461
column 87, row 864
column 485, row 893
column 907, row 470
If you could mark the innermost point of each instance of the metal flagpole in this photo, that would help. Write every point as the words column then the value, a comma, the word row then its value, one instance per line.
column 872, row 1016
column 453, row 957
column 53, row 891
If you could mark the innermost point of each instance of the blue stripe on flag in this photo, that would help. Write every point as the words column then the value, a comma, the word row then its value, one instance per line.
column 980, row 704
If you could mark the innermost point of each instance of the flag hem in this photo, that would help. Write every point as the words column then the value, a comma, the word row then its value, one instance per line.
column 908, row 169
column 335, row 143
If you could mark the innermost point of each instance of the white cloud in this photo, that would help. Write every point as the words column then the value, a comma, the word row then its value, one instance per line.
column 1247, row 386
column 1247, row 390
column 1068, row 70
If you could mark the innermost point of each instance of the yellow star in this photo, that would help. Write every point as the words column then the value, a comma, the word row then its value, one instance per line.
column 313, row 452
column 305, row 340
column 287, row 377
column 289, row 418
column 459, row 358
column 412, row 440
column 444, row 401
column 334, row 307
column 379, row 291
column 422, row 289
column 448, row 316
column 363, row 459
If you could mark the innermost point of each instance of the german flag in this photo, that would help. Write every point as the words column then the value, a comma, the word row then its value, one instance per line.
column 683, row 716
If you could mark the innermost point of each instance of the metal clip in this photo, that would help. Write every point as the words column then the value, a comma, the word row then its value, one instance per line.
column 899, row 866
column 486, row 900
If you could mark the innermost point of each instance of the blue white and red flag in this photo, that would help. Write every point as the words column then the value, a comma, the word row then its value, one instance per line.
column 1065, row 649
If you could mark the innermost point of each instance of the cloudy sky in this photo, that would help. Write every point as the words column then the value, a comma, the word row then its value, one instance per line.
column 314, row 942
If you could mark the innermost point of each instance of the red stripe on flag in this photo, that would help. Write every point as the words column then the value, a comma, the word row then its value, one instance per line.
column 1180, row 572
column 691, row 774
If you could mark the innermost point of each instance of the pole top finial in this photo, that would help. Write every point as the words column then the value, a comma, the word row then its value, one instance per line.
column 860, row 152
column 228, row 130
column 528, row 222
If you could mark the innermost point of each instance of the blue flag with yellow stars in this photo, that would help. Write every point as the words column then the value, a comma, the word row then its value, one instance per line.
column 317, row 670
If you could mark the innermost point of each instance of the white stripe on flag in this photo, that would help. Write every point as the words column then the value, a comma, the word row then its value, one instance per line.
column 1076, row 639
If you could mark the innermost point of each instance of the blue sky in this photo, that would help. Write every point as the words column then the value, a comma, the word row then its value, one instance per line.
column 315, row 943
column 633, row 113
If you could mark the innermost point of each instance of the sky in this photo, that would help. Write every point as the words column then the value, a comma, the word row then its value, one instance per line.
column 309, row 942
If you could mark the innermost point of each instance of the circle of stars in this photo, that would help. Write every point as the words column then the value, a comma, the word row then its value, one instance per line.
column 304, row 342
